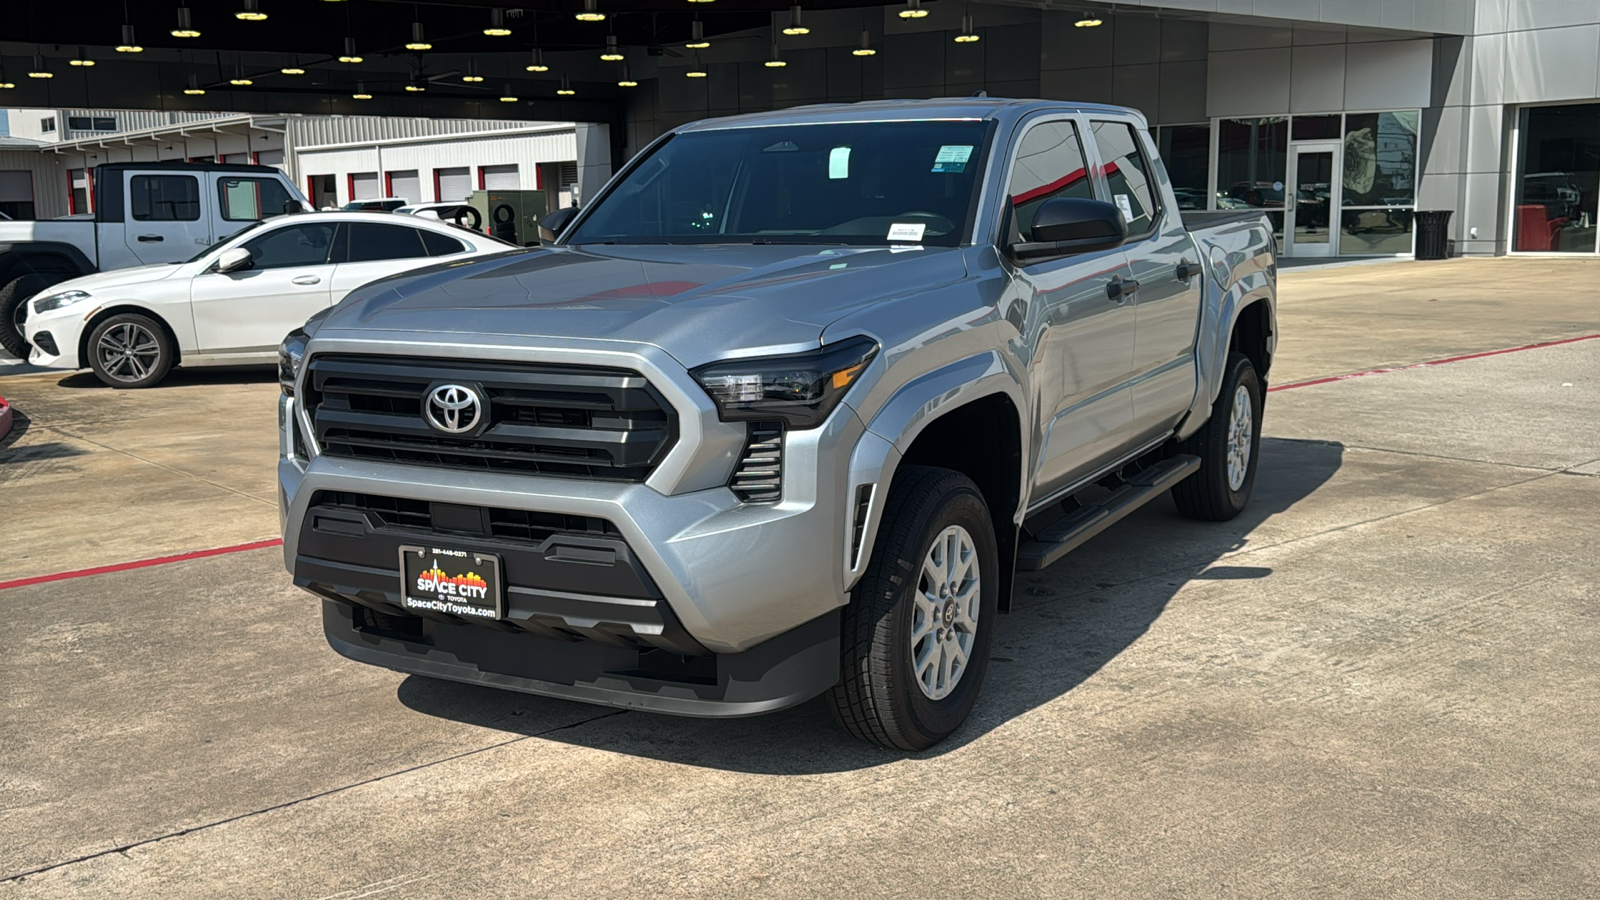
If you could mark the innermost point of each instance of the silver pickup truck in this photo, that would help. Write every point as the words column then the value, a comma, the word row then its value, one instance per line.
column 779, row 414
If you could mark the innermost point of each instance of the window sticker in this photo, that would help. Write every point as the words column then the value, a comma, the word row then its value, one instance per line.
column 1126, row 206
column 952, row 158
column 839, row 163
column 907, row 231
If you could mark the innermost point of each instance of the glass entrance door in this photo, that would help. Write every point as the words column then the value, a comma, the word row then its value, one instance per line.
column 1312, row 200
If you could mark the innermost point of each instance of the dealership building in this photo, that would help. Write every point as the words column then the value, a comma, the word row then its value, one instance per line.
column 1343, row 120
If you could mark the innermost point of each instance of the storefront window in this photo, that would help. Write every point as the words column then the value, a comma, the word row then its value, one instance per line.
column 1558, row 174
column 1252, row 162
column 1186, row 150
column 1380, row 183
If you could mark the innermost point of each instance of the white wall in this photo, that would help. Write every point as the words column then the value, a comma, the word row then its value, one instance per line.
column 525, row 151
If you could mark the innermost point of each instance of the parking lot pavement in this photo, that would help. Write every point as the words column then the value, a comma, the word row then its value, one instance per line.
column 1380, row 680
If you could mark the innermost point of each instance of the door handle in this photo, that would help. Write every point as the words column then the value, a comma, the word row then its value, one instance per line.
column 1120, row 289
column 1186, row 270
column 205, row 243
column 307, row 279
column 148, row 238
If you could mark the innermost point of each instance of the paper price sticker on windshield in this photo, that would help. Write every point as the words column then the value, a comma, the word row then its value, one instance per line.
column 952, row 158
column 1124, row 204
column 906, row 231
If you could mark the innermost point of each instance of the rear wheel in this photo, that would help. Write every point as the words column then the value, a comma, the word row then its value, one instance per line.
column 130, row 351
column 1227, row 445
column 14, row 309
column 917, row 632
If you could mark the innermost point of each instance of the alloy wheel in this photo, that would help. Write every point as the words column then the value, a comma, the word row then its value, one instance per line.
column 944, row 619
column 1241, row 431
column 128, row 352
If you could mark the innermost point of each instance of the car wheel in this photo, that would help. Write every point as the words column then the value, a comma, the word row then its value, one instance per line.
column 1228, row 445
column 14, row 310
column 916, row 634
column 130, row 351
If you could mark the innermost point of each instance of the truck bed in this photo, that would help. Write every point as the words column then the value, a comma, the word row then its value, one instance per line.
column 1198, row 221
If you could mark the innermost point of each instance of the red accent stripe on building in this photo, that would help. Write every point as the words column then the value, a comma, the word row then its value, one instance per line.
column 139, row 564
column 1433, row 362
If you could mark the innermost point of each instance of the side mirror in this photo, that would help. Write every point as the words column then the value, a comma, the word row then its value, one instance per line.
column 551, row 226
column 234, row 259
column 1066, row 225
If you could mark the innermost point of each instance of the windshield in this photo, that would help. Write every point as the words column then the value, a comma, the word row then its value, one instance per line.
column 196, row 258
column 867, row 183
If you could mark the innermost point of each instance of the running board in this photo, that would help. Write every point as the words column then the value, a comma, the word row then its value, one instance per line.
column 1070, row 533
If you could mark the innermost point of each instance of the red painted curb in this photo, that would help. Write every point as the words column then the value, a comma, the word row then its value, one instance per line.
column 1432, row 362
column 139, row 564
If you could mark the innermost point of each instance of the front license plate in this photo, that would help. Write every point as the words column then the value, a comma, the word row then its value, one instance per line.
column 450, row 580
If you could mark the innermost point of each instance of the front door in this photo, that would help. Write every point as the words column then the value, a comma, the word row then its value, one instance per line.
column 1311, row 201
column 249, row 311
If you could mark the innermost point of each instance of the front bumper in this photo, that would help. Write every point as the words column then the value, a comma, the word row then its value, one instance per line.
column 65, row 328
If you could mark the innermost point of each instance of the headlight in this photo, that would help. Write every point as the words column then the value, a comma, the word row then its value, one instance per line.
column 800, row 390
column 57, row 301
column 290, row 354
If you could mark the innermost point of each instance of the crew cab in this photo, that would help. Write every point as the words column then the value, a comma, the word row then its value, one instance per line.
column 779, row 414
column 144, row 214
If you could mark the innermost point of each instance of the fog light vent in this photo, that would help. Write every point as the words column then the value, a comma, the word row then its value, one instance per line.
column 863, row 509
column 759, row 476
column 44, row 341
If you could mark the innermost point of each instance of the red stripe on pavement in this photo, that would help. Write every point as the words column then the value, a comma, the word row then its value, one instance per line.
column 139, row 564
column 1433, row 362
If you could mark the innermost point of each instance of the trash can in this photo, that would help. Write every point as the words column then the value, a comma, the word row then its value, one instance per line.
column 1433, row 234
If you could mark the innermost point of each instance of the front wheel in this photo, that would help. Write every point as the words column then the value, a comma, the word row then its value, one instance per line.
column 130, row 351
column 916, row 634
column 1228, row 445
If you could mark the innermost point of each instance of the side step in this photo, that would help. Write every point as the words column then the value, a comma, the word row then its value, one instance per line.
column 1070, row 533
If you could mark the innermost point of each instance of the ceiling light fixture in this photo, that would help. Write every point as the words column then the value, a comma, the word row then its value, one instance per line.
column 612, row 53
column 1088, row 20
column 129, row 44
column 39, row 70
column 293, row 68
column 240, row 79
column 775, row 61
column 418, row 42
column 795, row 25
column 350, row 55
column 80, row 59
column 194, row 89
column 536, row 64
column 967, row 35
column 361, row 92
column 866, row 45
column 497, row 24
column 251, row 12
column 697, row 70
column 913, row 10
column 416, row 87
column 472, row 76
column 566, row 88
column 699, row 1
column 506, row 96
column 591, row 12
column 185, row 27
column 697, row 36
column 627, row 78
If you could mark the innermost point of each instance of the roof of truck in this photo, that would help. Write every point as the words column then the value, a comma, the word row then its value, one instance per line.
column 191, row 166
column 889, row 110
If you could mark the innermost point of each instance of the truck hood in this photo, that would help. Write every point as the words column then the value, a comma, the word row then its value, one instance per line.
column 695, row 302
column 101, row 282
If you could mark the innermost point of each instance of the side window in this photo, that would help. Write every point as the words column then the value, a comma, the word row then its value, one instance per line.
column 1049, row 164
column 1133, row 188
column 370, row 241
column 441, row 244
column 164, row 198
column 250, row 199
column 295, row 245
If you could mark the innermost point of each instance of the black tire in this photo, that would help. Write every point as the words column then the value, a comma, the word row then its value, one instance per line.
column 1208, row 494
column 145, row 369
column 12, row 310
column 878, row 697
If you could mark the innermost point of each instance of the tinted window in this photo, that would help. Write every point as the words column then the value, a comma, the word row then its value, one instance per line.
column 1128, row 174
column 249, row 199
column 164, row 198
column 369, row 242
column 441, row 244
column 295, row 245
column 1049, row 164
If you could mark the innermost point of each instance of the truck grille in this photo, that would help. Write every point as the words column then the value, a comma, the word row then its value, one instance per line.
column 576, row 421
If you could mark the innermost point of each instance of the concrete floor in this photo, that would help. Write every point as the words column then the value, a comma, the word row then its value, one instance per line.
column 1381, row 680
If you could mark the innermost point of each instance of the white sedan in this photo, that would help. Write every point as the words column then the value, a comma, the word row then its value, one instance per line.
column 232, row 304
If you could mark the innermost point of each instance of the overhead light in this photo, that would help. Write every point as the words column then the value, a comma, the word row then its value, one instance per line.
column 361, row 91
column 566, row 88
column 699, row 1
column 416, row 87
column 697, row 36
column 185, row 27
column 239, row 79
column 627, row 78
column 913, row 10
column 293, row 68
column 774, row 61
column 350, row 56
column 497, row 24
column 536, row 63
column 80, row 59
column 4, row 84
column 194, row 89
column 591, row 12
column 697, row 70
column 39, row 70
column 866, row 45
column 506, row 96
column 418, row 42
column 251, row 12
column 612, row 53
column 1088, row 20
column 472, row 76
column 795, row 25
column 129, row 44
column 967, row 35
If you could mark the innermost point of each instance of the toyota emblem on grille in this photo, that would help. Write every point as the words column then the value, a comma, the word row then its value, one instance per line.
column 453, row 408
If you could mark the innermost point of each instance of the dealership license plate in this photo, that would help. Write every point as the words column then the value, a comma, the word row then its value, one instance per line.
column 450, row 580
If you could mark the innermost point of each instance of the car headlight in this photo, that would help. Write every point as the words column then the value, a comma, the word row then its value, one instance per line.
column 58, row 301
column 800, row 390
column 291, row 353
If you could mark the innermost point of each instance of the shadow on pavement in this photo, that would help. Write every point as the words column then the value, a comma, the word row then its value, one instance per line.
column 1067, row 626
column 180, row 377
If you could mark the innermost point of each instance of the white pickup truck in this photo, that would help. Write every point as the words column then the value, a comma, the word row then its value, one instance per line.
column 145, row 214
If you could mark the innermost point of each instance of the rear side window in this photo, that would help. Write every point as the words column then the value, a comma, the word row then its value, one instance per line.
column 441, row 244
column 369, row 242
column 164, row 198
column 249, row 199
column 1133, row 188
column 1049, row 164
column 295, row 245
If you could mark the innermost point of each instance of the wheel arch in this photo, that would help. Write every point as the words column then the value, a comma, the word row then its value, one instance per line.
column 100, row 315
column 45, row 257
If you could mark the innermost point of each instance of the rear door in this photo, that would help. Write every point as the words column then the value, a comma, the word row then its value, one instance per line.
column 370, row 250
column 168, row 216
column 250, row 311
